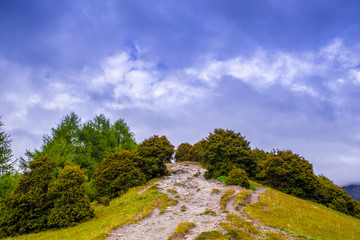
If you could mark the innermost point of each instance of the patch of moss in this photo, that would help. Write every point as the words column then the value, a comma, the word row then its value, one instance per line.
column 182, row 229
column 213, row 235
column 226, row 197
column 208, row 212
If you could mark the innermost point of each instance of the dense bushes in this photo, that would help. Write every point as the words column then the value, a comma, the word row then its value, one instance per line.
column 26, row 208
column 122, row 170
column 117, row 173
column 36, row 198
column 70, row 203
column 238, row 177
column 222, row 151
column 156, row 151
column 289, row 173
column 183, row 152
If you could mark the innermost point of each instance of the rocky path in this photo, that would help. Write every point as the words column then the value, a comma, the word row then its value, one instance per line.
column 198, row 202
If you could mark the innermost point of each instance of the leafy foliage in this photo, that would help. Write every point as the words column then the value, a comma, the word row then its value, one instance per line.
column 292, row 174
column 39, row 201
column 238, row 177
column 156, row 151
column 69, row 199
column 289, row 173
column 5, row 152
column 332, row 196
column 117, row 173
column 183, row 152
column 7, row 184
column 85, row 144
column 27, row 207
column 223, row 150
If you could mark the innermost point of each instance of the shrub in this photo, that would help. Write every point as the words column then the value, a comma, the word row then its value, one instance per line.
column 221, row 178
column 213, row 235
column 238, row 177
column 68, row 194
column 27, row 207
column 117, row 173
column 156, row 151
column 183, row 152
column 289, row 173
column 223, row 150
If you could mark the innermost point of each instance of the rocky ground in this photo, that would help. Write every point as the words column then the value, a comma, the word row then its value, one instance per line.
column 196, row 196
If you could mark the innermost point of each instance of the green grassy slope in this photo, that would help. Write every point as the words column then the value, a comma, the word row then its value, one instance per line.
column 122, row 210
column 275, row 209
column 302, row 217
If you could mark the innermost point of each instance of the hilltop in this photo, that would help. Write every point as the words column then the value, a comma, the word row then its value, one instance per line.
column 184, row 205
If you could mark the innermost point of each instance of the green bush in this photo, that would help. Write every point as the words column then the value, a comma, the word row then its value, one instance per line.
column 289, row 173
column 238, row 177
column 27, row 207
column 156, row 151
column 223, row 150
column 68, row 195
column 117, row 173
column 183, row 152
column 222, row 178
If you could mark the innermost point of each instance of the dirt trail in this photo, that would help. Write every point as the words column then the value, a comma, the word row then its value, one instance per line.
column 195, row 195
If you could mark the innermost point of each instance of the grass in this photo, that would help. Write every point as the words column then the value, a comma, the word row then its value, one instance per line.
column 242, row 197
column 222, row 178
column 302, row 218
column 226, row 197
column 182, row 229
column 208, row 212
column 129, row 208
column 213, row 235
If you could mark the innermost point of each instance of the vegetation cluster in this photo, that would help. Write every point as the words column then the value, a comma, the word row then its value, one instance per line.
column 224, row 152
column 77, row 164
column 98, row 161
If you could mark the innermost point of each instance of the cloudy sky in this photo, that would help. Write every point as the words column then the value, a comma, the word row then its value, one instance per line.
column 283, row 73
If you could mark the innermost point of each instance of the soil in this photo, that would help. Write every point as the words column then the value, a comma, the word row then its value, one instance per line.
column 196, row 196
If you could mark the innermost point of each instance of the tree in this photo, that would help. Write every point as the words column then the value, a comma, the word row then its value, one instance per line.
column 156, row 151
column 6, row 165
column 117, row 173
column 68, row 195
column 85, row 144
column 224, row 150
column 183, row 152
column 27, row 207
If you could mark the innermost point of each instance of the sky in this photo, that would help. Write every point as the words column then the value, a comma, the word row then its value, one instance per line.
column 283, row 73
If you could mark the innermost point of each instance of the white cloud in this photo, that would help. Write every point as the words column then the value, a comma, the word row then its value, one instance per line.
column 336, row 63
column 138, row 83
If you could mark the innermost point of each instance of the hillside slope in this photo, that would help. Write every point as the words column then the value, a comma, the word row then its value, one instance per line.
column 207, row 209
column 353, row 191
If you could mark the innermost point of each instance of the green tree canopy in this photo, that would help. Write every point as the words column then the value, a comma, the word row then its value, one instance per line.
column 290, row 173
column 183, row 152
column 156, row 151
column 85, row 144
column 6, row 164
column 224, row 150
column 27, row 207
